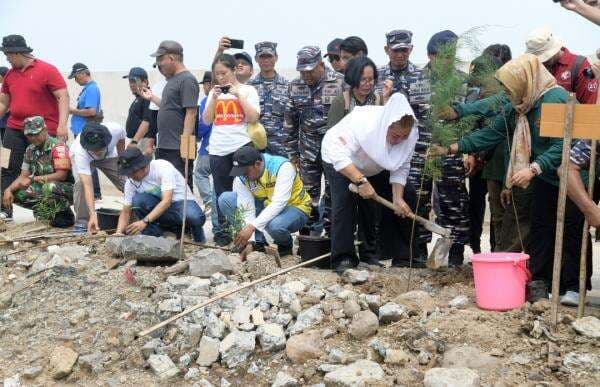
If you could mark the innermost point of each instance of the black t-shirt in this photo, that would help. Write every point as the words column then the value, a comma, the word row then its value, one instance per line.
column 138, row 111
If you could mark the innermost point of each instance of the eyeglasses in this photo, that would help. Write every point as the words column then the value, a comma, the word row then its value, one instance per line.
column 333, row 58
column 365, row 81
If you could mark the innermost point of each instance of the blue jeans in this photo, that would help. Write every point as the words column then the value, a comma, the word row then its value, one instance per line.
column 279, row 228
column 172, row 218
column 205, row 187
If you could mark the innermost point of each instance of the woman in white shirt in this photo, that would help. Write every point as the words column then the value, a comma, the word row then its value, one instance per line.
column 372, row 148
column 230, row 107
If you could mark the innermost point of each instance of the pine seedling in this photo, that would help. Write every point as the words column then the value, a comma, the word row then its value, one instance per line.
column 47, row 207
column 236, row 222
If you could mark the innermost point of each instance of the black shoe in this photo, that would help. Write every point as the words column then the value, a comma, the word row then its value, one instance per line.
column 260, row 246
column 456, row 255
column 222, row 240
column 285, row 250
column 417, row 263
column 344, row 265
column 63, row 219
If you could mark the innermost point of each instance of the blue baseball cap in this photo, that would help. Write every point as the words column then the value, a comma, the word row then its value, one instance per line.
column 136, row 72
column 244, row 56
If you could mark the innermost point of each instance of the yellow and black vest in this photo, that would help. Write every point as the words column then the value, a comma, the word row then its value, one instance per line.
column 263, row 188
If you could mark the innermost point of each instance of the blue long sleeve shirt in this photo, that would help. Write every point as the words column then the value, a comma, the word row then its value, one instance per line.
column 203, row 131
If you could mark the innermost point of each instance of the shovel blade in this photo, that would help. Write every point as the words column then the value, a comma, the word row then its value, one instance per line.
column 439, row 254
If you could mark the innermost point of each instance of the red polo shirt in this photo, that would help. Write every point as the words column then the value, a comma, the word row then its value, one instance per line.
column 30, row 92
column 585, row 89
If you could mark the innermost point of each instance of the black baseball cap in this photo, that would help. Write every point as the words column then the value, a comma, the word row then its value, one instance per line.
column 136, row 72
column 132, row 160
column 242, row 158
column 95, row 136
column 207, row 77
column 77, row 67
column 333, row 48
column 244, row 56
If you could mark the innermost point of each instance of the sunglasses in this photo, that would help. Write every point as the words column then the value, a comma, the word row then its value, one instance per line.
column 333, row 58
column 403, row 50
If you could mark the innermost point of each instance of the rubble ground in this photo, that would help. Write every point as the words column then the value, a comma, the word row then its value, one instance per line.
column 69, row 314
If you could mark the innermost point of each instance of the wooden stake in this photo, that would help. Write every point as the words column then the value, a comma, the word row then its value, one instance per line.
column 185, row 199
column 586, row 233
column 228, row 293
column 560, row 213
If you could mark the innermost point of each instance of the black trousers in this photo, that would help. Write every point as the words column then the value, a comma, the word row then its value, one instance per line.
column 220, row 168
column 392, row 232
column 543, row 235
column 477, row 192
column 17, row 143
column 174, row 157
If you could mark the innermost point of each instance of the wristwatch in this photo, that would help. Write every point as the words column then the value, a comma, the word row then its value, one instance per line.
column 146, row 220
column 535, row 168
column 361, row 181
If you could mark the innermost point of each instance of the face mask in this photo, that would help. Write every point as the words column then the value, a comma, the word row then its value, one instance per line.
column 98, row 155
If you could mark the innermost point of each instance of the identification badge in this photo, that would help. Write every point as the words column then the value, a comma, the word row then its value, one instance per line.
column 300, row 91
column 4, row 157
column 419, row 92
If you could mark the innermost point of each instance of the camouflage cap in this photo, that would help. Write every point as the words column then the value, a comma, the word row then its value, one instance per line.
column 33, row 125
column 265, row 48
column 398, row 39
column 308, row 58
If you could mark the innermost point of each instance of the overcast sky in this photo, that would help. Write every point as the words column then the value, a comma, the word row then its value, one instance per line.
column 116, row 35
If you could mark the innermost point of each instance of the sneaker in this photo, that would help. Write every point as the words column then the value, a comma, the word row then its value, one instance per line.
column 344, row 265
column 570, row 298
column 5, row 217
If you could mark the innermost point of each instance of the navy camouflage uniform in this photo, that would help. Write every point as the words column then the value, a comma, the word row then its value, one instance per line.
column 581, row 154
column 305, row 125
column 273, row 94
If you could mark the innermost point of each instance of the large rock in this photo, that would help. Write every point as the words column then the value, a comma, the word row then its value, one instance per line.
column 588, row 326
column 271, row 337
column 306, row 346
column 360, row 373
column 208, row 351
column 468, row 357
column 391, row 312
column 62, row 361
column 355, row 277
column 307, row 319
column 15, row 381
column 237, row 347
column 284, row 380
column 451, row 377
column 214, row 326
column 163, row 366
column 144, row 248
column 587, row 361
column 207, row 262
column 351, row 308
column 416, row 301
column 364, row 324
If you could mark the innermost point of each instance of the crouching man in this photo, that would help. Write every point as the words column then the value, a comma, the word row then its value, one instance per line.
column 154, row 191
column 270, row 194
column 98, row 146
column 46, row 183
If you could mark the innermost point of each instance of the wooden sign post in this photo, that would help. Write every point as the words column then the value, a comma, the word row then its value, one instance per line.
column 569, row 121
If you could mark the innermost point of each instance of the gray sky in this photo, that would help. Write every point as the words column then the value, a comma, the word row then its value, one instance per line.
column 116, row 35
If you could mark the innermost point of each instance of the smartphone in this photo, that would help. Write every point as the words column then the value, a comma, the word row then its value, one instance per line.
column 225, row 89
column 236, row 43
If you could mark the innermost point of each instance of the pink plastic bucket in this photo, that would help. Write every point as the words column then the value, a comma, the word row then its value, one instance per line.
column 500, row 280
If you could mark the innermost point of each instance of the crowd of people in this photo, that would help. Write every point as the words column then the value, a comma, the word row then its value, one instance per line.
column 309, row 155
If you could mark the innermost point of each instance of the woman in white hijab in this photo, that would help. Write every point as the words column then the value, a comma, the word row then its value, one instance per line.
column 371, row 148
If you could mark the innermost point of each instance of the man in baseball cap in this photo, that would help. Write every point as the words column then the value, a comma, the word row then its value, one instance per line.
column 155, row 191
column 244, row 68
column 97, row 147
column 279, row 212
column 333, row 55
column 569, row 69
column 45, row 176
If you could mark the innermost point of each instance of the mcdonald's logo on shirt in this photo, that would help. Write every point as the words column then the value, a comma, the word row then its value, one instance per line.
column 228, row 112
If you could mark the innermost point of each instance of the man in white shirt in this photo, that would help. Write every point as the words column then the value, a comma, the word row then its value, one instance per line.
column 155, row 192
column 272, row 197
column 97, row 146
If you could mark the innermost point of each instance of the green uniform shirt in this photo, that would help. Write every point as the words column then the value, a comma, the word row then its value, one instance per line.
column 546, row 151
